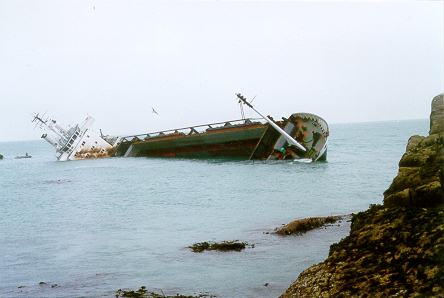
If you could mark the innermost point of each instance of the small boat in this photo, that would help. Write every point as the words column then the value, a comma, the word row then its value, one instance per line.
column 23, row 156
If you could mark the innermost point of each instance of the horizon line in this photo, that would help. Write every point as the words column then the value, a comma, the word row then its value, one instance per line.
column 333, row 123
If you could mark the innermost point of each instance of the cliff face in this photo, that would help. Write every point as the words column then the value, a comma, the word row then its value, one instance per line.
column 420, row 176
column 396, row 248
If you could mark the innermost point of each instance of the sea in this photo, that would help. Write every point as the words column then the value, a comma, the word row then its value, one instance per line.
column 88, row 228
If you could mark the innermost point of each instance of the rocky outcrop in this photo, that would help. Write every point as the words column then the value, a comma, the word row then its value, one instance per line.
column 394, row 249
column 437, row 115
column 420, row 176
column 301, row 226
column 224, row 246
column 389, row 252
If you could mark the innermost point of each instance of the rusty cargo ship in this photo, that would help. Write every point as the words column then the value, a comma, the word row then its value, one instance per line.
column 238, row 139
column 301, row 136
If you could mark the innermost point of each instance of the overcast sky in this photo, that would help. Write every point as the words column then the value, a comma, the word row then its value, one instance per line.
column 114, row 60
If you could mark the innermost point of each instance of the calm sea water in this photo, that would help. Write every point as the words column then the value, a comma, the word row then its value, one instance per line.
column 95, row 226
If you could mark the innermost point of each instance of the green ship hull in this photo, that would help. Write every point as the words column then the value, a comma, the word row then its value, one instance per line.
column 229, row 142
column 239, row 139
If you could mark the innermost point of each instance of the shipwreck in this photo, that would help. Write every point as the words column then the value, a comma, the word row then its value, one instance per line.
column 77, row 142
column 301, row 136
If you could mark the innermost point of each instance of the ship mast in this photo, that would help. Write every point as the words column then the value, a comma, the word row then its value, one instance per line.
column 273, row 124
column 52, row 125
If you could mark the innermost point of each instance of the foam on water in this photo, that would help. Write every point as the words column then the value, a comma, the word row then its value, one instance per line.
column 92, row 227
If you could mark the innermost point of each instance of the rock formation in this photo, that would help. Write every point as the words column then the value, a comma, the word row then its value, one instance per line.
column 420, row 176
column 300, row 226
column 394, row 249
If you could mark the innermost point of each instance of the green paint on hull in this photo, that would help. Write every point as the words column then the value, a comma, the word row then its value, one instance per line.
column 230, row 142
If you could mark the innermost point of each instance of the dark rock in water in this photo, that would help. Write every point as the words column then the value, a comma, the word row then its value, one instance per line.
column 220, row 246
column 142, row 292
column 200, row 246
column 394, row 249
column 301, row 226
column 1, row 157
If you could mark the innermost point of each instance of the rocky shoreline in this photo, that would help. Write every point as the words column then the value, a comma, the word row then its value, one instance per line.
column 397, row 248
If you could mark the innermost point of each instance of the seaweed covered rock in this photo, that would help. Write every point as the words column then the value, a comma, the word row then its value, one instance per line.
column 300, row 226
column 389, row 252
column 394, row 249
column 142, row 292
column 220, row 246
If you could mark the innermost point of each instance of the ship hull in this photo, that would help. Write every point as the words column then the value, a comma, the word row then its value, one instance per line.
column 233, row 142
column 239, row 139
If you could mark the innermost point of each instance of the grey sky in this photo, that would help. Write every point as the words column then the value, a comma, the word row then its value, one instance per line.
column 345, row 61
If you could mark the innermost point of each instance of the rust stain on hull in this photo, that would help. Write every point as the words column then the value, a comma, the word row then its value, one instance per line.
column 94, row 153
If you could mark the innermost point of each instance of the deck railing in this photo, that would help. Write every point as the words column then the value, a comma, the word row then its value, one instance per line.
column 198, row 129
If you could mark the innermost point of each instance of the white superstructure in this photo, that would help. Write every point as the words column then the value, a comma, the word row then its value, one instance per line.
column 78, row 142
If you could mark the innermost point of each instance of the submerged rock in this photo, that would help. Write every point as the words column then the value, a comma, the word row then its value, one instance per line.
column 142, row 292
column 304, row 225
column 394, row 249
column 220, row 246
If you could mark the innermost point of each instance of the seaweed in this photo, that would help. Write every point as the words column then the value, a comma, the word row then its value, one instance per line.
column 234, row 245
column 142, row 292
column 301, row 226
